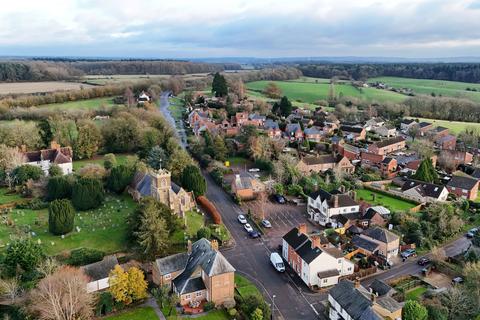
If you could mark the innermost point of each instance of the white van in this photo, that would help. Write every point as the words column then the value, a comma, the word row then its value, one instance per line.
column 277, row 262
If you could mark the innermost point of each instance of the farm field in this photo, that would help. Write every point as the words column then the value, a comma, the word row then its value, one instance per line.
column 89, row 104
column 380, row 199
column 119, row 78
column 40, row 87
column 455, row 127
column 310, row 92
column 439, row 87
column 103, row 228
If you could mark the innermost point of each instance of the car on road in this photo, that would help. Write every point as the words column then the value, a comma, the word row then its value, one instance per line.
column 277, row 262
column 457, row 280
column 248, row 227
column 279, row 198
column 266, row 223
column 423, row 261
column 471, row 233
column 408, row 253
column 241, row 218
column 254, row 234
column 253, row 170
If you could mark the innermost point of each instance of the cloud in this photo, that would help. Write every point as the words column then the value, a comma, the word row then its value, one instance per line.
column 268, row 28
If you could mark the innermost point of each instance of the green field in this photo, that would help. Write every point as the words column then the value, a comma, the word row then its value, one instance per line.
column 389, row 202
column 104, row 228
column 143, row 313
column 121, row 159
column 455, row 127
column 89, row 104
column 439, row 87
column 310, row 92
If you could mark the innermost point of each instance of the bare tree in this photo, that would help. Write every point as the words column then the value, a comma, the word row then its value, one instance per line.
column 62, row 296
column 413, row 131
column 272, row 91
column 129, row 97
column 10, row 289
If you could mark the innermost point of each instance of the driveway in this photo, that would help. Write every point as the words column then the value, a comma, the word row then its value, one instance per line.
column 250, row 257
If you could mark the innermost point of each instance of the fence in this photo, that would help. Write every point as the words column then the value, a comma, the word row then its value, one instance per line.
column 360, row 274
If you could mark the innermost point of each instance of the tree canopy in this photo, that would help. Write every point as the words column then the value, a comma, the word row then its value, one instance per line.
column 426, row 172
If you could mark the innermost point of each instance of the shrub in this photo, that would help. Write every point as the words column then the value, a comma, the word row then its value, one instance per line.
column 61, row 217
column 109, row 161
column 265, row 165
column 119, row 178
column 35, row 204
column 22, row 254
column 210, row 208
column 55, row 171
column 26, row 172
column 105, row 304
column 209, row 306
column 87, row 193
column 59, row 188
column 204, row 233
column 83, row 256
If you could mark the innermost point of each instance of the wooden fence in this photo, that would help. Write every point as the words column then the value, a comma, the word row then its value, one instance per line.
column 360, row 274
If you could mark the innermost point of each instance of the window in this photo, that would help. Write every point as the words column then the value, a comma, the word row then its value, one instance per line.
column 339, row 260
column 187, row 297
column 199, row 294
column 349, row 269
column 325, row 280
column 353, row 209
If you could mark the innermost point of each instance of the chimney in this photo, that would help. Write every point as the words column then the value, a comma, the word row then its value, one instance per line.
column 315, row 241
column 214, row 244
column 335, row 201
column 356, row 283
column 353, row 195
column 54, row 145
column 189, row 247
column 302, row 228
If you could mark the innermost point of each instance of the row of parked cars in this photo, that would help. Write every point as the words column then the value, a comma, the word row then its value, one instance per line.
column 250, row 230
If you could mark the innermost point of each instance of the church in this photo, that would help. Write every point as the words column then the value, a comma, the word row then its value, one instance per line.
column 158, row 184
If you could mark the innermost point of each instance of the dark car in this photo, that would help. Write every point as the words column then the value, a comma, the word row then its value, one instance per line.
column 423, row 261
column 254, row 234
column 279, row 198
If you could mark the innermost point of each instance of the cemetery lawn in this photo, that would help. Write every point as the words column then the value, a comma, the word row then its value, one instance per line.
column 104, row 228
column 6, row 197
column 121, row 159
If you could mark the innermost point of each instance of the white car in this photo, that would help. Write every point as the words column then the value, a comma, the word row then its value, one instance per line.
column 248, row 227
column 241, row 218
column 253, row 170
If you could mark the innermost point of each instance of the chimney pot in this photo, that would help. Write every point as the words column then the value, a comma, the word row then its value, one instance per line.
column 335, row 201
column 357, row 283
column 315, row 241
column 214, row 244
column 302, row 228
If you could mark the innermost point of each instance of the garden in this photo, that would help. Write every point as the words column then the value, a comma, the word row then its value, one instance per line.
column 381, row 199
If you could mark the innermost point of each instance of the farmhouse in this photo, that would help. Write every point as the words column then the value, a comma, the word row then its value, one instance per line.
column 56, row 155
column 324, row 206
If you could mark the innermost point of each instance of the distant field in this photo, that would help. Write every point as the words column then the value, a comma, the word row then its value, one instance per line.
column 310, row 92
column 455, row 127
column 39, row 87
column 439, row 87
column 81, row 104
column 118, row 78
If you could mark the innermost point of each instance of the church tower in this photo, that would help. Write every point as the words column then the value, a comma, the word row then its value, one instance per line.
column 162, row 181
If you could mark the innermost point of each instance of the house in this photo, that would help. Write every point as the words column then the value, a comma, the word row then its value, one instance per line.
column 323, row 205
column 256, row 120
column 387, row 146
column 200, row 121
column 321, row 163
column 143, row 98
column 350, row 152
column 456, row 157
column 374, row 123
column 406, row 124
column 371, row 159
column 56, row 155
column 272, row 129
column 424, row 127
column 447, row 142
column 158, row 184
column 438, row 132
column 99, row 272
column 246, row 187
column 350, row 300
column 166, row 269
column 313, row 134
column 293, row 132
column 388, row 167
column 388, row 242
column 204, row 276
column 317, row 267
column 386, row 131
column 372, row 217
column 353, row 133
column 463, row 187
column 424, row 192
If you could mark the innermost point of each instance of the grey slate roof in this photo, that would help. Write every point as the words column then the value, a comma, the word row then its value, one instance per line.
column 346, row 128
column 193, row 285
column 295, row 239
column 379, row 287
column 363, row 243
column 381, row 234
column 388, row 142
column 476, row 173
column 353, row 301
column 424, row 188
column 307, row 253
column 462, row 182
column 270, row 124
column 101, row 269
column 169, row 264
column 328, row 273
column 344, row 200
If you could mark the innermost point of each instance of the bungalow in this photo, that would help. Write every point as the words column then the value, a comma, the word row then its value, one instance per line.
column 353, row 133
column 293, row 132
column 316, row 266
column 272, row 128
column 387, row 146
column 313, row 134
column 246, row 187
column 321, row 163
column 386, row 131
column 387, row 242
column 463, row 187
column 423, row 191
column 323, row 206
column 56, row 155
column 99, row 272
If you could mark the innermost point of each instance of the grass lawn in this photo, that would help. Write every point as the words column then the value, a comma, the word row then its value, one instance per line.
column 415, row 294
column 144, row 313
column 245, row 287
column 455, row 127
column 214, row 315
column 237, row 161
column 104, row 228
column 389, row 202
column 310, row 92
column 121, row 159
column 439, row 87
column 89, row 104
column 195, row 221
column 6, row 197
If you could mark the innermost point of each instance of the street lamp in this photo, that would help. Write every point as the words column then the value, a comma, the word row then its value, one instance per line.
column 273, row 305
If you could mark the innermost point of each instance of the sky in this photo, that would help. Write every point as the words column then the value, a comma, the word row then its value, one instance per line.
column 240, row 28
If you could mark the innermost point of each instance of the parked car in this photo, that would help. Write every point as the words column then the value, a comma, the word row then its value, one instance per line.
column 279, row 198
column 409, row 253
column 241, row 218
column 457, row 280
column 423, row 261
column 266, row 223
column 253, row 170
column 254, row 234
column 248, row 227
column 277, row 262
column 469, row 234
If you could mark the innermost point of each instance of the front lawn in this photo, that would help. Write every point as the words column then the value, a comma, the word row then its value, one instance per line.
column 194, row 221
column 380, row 199
column 245, row 287
column 104, row 228
column 121, row 159
column 143, row 313
column 415, row 294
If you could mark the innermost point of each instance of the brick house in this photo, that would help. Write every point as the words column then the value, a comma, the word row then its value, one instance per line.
column 387, row 146
column 353, row 133
column 313, row 134
column 316, row 266
column 350, row 152
column 448, row 142
column 321, row 163
column 424, row 192
column 386, row 131
column 388, row 167
column 293, row 132
column 246, row 187
column 387, row 242
column 372, row 217
column 371, row 159
column 463, row 187
column 406, row 124
column 272, row 128
column 438, row 132
column 424, row 127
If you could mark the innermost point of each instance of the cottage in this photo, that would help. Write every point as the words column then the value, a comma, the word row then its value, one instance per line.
column 463, row 187
column 321, row 163
column 372, row 217
column 316, row 266
column 143, row 98
column 56, row 155
column 353, row 133
column 98, row 273
column 323, row 206
column 424, row 192
column 387, row 146
column 246, row 187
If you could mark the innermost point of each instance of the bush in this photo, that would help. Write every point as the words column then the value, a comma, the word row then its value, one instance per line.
column 209, row 306
column 26, row 172
column 210, row 208
column 61, row 217
column 22, row 254
column 120, row 177
column 83, row 256
column 105, row 304
column 59, row 188
column 217, row 176
column 55, row 171
column 87, row 194
column 204, row 233
column 35, row 204
column 109, row 161
column 232, row 313
column 295, row 190
column 265, row 165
